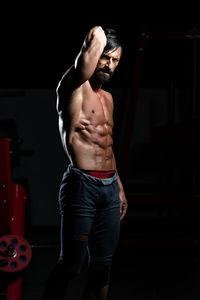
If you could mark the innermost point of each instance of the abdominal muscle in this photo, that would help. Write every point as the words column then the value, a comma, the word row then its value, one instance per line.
column 90, row 147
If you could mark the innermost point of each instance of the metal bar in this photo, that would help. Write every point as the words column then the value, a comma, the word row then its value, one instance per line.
column 165, row 199
column 123, row 155
column 173, row 35
column 194, row 119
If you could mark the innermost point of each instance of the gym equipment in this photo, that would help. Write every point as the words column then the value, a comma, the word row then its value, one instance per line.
column 15, row 251
column 174, row 198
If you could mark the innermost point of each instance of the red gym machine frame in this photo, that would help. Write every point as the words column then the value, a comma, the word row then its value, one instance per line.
column 144, row 37
column 157, row 198
column 15, row 251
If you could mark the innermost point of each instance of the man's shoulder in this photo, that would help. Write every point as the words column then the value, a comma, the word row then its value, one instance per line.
column 69, row 82
column 66, row 78
column 108, row 96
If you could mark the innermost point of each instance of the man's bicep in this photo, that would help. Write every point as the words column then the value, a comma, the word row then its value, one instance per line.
column 67, row 82
column 72, row 79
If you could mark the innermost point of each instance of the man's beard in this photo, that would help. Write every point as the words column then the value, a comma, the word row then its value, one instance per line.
column 102, row 75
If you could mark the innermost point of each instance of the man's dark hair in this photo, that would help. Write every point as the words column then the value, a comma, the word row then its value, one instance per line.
column 113, row 40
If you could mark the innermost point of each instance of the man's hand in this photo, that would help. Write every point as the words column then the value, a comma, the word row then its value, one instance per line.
column 97, row 34
column 122, row 198
column 123, row 204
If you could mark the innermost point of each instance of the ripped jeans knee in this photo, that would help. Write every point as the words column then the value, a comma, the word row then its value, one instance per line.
column 75, row 253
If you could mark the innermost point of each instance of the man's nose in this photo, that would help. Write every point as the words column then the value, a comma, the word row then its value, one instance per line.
column 109, row 63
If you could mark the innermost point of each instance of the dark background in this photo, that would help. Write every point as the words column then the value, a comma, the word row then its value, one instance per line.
column 38, row 43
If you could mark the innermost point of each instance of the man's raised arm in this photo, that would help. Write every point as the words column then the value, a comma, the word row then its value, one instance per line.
column 86, row 60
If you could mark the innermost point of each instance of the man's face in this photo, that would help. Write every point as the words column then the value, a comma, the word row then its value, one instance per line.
column 106, row 65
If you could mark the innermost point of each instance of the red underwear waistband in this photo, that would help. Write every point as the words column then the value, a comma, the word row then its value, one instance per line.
column 100, row 173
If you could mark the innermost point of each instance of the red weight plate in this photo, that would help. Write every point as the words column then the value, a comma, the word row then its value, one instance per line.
column 15, row 253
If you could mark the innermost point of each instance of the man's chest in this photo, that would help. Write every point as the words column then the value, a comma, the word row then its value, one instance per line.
column 98, row 110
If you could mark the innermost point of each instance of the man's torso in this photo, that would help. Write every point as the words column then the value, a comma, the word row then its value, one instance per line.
column 86, row 126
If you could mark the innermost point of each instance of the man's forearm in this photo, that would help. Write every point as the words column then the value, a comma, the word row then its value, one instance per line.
column 118, row 179
column 90, row 53
column 120, row 185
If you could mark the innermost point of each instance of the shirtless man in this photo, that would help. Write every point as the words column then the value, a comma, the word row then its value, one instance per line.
column 92, row 199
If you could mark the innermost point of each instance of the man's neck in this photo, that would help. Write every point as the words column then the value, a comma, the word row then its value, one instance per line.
column 96, row 86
